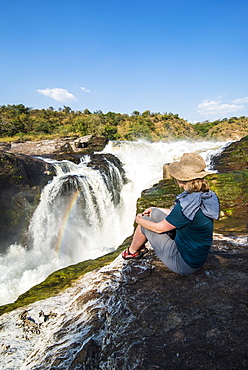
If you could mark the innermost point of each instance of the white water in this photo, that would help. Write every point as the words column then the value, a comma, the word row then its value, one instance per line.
column 67, row 228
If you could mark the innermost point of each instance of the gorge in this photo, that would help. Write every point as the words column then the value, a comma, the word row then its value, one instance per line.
column 155, row 327
column 87, row 209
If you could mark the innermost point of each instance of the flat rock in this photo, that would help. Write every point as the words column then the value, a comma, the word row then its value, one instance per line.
column 61, row 146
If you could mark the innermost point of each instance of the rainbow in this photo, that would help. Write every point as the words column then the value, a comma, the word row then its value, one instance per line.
column 71, row 204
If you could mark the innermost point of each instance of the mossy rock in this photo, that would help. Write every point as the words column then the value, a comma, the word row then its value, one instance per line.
column 234, row 157
column 161, row 195
column 231, row 189
column 62, row 279
column 11, row 171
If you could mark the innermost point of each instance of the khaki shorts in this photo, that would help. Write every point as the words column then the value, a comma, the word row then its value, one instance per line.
column 165, row 247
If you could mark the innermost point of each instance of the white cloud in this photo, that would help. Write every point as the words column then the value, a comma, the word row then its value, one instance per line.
column 217, row 108
column 58, row 94
column 241, row 100
column 84, row 89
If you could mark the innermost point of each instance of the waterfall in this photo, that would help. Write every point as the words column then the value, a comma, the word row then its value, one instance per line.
column 88, row 210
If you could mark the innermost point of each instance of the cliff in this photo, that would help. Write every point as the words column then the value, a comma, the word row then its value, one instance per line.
column 138, row 314
column 21, row 180
column 23, row 175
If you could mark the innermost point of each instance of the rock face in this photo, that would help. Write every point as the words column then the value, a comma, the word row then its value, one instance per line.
column 232, row 190
column 233, row 158
column 21, row 180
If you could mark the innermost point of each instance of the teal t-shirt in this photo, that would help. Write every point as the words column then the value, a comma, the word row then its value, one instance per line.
column 193, row 238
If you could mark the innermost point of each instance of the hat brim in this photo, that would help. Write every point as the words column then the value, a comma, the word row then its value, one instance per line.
column 179, row 173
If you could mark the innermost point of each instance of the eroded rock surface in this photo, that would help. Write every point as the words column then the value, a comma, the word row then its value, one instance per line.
column 139, row 315
column 57, row 147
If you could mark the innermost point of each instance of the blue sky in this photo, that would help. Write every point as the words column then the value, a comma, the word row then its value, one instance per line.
column 185, row 57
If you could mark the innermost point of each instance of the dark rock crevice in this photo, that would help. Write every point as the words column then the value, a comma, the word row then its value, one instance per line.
column 21, row 181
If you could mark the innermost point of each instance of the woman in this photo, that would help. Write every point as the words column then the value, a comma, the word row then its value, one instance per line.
column 192, row 217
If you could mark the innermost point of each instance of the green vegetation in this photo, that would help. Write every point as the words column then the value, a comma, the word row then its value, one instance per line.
column 20, row 123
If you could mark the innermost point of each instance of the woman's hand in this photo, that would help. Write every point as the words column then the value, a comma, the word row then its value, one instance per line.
column 147, row 211
column 138, row 217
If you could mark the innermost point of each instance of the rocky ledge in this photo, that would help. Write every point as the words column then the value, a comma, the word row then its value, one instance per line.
column 58, row 148
column 138, row 315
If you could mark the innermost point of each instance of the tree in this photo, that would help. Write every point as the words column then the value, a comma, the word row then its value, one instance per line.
column 66, row 109
column 111, row 132
column 146, row 113
column 81, row 125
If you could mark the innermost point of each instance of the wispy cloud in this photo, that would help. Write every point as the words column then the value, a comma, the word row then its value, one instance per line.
column 58, row 94
column 216, row 108
column 240, row 100
column 84, row 89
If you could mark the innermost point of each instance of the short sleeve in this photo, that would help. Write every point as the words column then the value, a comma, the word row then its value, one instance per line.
column 177, row 218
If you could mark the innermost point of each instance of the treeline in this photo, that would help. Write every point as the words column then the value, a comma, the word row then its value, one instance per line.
column 18, row 122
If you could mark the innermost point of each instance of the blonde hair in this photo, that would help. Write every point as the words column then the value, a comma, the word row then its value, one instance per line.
column 197, row 185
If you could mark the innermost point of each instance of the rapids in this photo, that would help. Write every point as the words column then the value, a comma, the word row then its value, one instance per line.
column 82, row 215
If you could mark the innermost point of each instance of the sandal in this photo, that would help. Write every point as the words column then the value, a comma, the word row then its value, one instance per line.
column 143, row 249
column 127, row 255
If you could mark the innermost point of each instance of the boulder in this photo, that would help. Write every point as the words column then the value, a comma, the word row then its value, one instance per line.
column 42, row 147
column 82, row 142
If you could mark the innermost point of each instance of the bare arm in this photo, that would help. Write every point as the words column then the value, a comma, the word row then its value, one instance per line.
column 157, row 227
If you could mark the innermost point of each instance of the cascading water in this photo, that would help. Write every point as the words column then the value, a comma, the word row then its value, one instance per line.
column 84, row 212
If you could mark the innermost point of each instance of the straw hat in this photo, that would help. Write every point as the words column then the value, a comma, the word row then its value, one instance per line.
column 190, row 167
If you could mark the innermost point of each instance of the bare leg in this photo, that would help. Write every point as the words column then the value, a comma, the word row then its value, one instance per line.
column 138, row 240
